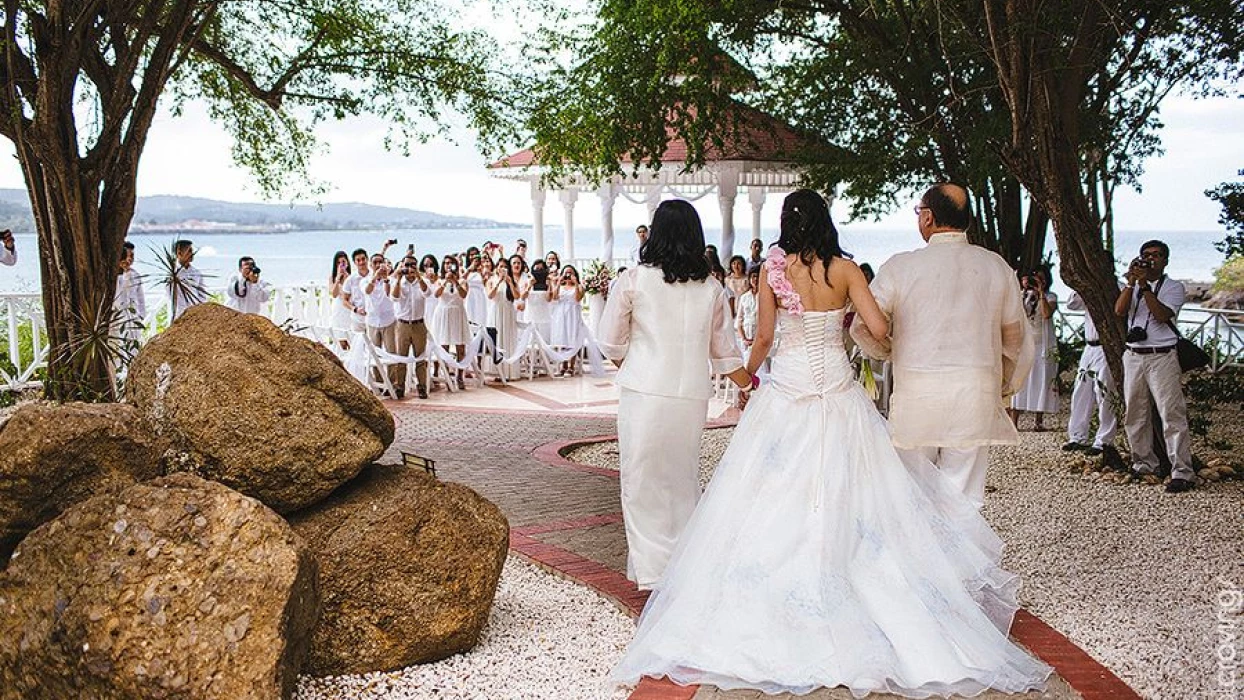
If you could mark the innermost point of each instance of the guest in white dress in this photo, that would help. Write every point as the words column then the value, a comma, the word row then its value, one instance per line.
column 129, row 300
column 518, row 271
column 450, row 327
column 502, row 293
column 1040, row 393
column 539, row 310
column 670, row 322
column 736, row 281
column 432, row 275
column 566, row 329
column 480, row 270
column 554, row 261
column 747, row 309
column 339, row 318
column 816, row 558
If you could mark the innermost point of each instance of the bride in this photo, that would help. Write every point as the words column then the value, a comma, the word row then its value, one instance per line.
column 815, row 558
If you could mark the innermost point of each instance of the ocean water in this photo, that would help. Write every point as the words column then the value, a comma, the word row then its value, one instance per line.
column 303, row 257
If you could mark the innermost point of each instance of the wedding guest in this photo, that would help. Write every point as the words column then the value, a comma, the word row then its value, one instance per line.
column 185, row 286
column 756, row 252
column 539, row 312
column 518, row 272
column 714, row 260
column 245, row 292
column 567, row 330
column 431, row 270
column 1040, row 393
column 502, row 292
column 478, row 273
column 747, row 306
column 130, row 301
column 1151, row 376
column 378, row 306
column 352, row 291
column 450, row 327
column 949, row 397
column 340, row 318
column 655, row 321
column 410, row 291
column 1093, row 390
column 736, row 280
column 8, row 251
column 520, row 250
column 641, row 235
column 554, row 261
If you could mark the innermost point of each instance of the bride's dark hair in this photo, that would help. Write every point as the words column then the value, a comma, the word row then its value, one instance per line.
column 807, row 230
column 676, row 243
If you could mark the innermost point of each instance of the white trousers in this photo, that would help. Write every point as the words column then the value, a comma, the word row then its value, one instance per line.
column 965, row 468
column 659, row 449
column 1093, row 389
column 1153, row 381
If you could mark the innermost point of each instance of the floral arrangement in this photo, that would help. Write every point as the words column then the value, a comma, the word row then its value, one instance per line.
column 787, row 297
column 596, row 278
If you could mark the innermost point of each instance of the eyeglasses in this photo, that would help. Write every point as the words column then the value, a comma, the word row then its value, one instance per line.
column 919, row 208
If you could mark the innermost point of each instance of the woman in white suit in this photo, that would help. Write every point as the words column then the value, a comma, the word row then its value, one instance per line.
column 670, row 321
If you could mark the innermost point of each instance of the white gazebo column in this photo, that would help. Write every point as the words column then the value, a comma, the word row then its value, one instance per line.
column 652, row 200
column 608, row 194
column 756, row 196
column 727, row 192
column 537, row 219
column 569, row 196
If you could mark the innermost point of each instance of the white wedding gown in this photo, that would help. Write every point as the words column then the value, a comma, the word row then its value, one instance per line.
column 816, row 559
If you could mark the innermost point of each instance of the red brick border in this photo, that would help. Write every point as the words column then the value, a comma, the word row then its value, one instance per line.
column 1083, row 673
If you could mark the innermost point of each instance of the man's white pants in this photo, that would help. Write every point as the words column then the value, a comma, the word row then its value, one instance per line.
column 1093, row 389
column 1153, row 381
column 659, row 449
column 965, row 468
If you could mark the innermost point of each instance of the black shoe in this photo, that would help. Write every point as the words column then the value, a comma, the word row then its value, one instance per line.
column 1074, row 446
column 423, row 392
column 1092, row 451
column 401, row 394
column 1178, row 486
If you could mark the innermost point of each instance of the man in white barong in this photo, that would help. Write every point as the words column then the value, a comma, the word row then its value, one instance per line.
column 1093, row 391
column 8, row 248
column 958, row 344
column 185, row 287
column 245, row 292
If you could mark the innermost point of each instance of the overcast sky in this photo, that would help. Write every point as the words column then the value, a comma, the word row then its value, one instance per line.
column 189, row 155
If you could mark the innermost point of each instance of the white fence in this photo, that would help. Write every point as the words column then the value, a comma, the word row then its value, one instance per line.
column 1220, row 332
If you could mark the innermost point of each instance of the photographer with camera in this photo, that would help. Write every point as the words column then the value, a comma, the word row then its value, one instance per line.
column 449, row 326
column 8, row 251
column 1151, row 376
column 245, row 292
column 410, row 293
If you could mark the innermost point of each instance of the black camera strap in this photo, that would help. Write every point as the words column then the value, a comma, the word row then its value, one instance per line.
column 1136, row 309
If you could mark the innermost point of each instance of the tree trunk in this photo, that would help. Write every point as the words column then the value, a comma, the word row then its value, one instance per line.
column 1036, row 230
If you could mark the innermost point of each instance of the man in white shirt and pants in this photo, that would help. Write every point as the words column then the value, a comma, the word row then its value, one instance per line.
column 410, row 293
column 378, row 303
column 959, row 344
column 1151, row 375
column 186, row 288
column 8, row 251
column 1093, row 388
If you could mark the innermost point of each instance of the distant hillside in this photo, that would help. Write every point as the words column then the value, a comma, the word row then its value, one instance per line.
column 167, row 213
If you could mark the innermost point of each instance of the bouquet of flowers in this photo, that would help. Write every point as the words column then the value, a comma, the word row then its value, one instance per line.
column 596, row 278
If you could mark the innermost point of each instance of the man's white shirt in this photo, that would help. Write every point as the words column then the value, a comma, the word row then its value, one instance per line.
column 246, row 296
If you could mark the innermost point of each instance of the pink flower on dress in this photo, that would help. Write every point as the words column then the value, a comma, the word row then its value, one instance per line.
column 787, row 297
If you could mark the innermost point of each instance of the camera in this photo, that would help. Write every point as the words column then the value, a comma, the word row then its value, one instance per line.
column 1137, row 334
column 255, row 270
column 1142, row 263
column 391, row 241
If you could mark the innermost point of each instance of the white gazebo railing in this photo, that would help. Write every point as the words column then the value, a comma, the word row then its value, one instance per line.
column 26, row 343
column 1219, row 331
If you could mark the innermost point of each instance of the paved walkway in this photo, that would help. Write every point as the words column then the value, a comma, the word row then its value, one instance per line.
column 566, row 517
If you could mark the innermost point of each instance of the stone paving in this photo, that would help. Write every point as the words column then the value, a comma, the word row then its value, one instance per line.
column 567, row 518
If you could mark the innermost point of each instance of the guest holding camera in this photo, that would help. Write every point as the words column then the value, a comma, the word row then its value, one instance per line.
column 502, row 292
column 449, row 326
column 1040, row 393
column 1150, row 302
column 378, row 305
column 245, row 292
column 410, row 291
column 8, row 251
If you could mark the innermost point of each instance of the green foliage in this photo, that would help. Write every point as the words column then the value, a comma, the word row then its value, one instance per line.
column 1230, row 195
column 26, row 355
column 1230, row 277
column 1207, row 391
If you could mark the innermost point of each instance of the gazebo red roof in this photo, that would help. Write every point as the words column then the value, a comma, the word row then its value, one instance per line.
column 757, row 137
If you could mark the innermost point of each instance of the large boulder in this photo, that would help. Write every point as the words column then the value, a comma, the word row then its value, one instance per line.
column 53, row 456
column 408, row 565
column 178, row 587
column 269, row 414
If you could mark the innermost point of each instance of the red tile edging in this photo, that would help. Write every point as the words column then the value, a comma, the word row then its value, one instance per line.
column 551, row 453
column 1082, row 672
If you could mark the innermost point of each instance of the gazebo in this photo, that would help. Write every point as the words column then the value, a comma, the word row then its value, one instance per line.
column 759, row 157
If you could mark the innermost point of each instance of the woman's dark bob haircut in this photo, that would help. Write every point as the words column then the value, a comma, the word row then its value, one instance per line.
column 676, row 243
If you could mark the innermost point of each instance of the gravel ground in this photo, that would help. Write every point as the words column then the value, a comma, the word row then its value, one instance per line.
column 546, row 638
column 1151, row 584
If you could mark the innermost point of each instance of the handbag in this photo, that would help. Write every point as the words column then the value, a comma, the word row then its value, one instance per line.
column 1191, row 357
